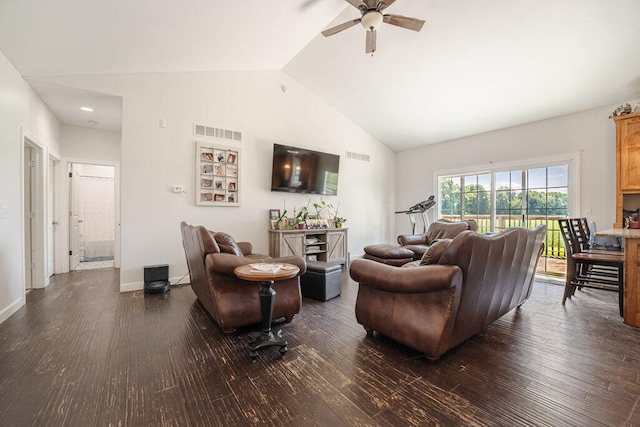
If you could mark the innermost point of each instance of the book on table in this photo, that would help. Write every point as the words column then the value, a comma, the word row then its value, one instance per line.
column 265, row 268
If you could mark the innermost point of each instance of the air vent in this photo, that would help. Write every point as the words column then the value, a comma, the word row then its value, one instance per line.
column 208, row 131
column 357, row 156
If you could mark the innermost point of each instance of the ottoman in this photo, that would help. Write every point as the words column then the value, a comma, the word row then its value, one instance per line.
column 388, row 254
column 322, row 281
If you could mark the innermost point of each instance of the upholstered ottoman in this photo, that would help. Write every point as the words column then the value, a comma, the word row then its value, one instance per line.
column 388, row 254
column 322, row 281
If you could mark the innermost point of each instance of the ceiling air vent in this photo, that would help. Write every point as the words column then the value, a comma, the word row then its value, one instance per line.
column 357, row 156
column 208, row 131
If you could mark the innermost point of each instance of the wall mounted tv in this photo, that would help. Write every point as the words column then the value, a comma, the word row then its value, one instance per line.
column 298, row 170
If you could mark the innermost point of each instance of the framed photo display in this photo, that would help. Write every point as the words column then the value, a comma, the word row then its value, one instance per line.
column 217, row 175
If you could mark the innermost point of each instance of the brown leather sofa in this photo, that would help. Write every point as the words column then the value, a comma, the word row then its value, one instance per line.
column 440, row 229
column 463, row 285
column 232, row 302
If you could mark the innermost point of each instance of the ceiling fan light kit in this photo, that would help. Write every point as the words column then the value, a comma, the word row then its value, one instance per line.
column 372, row 18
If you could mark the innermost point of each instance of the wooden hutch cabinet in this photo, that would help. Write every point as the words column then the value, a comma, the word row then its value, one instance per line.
column 627, row 164
column 328, row 245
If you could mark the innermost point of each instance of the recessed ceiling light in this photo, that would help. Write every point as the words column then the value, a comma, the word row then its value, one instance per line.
column 92, row 122
column 88, row 109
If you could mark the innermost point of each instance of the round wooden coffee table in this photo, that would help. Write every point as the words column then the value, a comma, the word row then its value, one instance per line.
column 262, row 273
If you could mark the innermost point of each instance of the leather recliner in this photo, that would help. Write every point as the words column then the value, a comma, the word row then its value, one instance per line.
column 440, row 229
column 233, row 302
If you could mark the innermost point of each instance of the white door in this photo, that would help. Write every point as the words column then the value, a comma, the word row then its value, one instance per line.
column 50, row 219
column 74, row 220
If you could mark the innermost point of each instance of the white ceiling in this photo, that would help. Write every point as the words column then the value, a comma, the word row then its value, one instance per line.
column 476, row 66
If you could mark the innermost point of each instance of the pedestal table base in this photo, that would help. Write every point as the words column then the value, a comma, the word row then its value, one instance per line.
column 266, row 338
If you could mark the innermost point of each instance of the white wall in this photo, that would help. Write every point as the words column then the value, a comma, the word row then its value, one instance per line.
column 154, row 158
column 20, row 111
column 590, row 133
column 90, row 144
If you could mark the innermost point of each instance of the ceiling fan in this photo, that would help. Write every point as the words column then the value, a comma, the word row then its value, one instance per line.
column 371, row 19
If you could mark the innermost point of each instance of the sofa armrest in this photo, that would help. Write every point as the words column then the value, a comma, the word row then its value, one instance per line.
column 412, row 239
column 245, row 247
column 224, row 263
column 427, row 278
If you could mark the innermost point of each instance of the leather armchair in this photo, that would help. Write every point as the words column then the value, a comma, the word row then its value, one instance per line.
column 440, row 229
column 460, row 287
column 233, row 302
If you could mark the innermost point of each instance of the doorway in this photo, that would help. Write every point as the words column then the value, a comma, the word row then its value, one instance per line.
column 526, row 195
column 34, row 217
column 92, row 216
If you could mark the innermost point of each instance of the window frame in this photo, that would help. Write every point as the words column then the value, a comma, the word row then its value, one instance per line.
column 572, row 160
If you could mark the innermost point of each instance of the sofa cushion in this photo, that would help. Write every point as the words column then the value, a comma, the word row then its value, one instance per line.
column 411, row 264
column 387, row 251
column 435, row 251
column 209, row 241
column 227, row 244
column 418, row 250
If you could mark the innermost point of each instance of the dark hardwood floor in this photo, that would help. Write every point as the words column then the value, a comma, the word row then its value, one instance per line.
column 82, row 354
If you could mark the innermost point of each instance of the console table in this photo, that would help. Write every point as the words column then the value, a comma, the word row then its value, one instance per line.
column 326, row 244
column 631, row 238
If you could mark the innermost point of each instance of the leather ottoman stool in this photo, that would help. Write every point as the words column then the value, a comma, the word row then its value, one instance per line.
column 388, row 254
column 322, row 281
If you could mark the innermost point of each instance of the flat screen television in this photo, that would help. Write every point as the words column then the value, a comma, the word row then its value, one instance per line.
column 299, row 170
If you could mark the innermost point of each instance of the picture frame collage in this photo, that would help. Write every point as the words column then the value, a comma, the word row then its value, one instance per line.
column 217, row 175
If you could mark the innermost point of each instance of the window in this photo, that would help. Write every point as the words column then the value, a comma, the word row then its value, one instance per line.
column 513, row 197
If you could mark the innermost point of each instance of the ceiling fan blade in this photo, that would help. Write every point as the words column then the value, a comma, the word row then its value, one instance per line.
column 383, row 4
column 308, row 3
column 370, row 4
column 358, row 3
column 371, row 41
column 331, row 31
column 404, row 22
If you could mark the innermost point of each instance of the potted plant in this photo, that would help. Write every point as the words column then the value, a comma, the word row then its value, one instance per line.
column 338, row 222
column 280, row 225
column 301, row 218
column 320, row 207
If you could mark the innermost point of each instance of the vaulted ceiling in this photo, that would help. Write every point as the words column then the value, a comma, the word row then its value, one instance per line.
column 476, row 66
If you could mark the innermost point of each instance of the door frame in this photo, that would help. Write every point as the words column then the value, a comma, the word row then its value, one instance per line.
column 52, row 220
column 62, row 207
column 74, row 222
column 38, row 240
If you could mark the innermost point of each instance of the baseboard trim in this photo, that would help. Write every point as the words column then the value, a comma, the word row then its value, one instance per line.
column 10, row 309
column 130, row 287
column 139, row 286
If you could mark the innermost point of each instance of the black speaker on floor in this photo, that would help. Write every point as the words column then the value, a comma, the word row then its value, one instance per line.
column 156, row 279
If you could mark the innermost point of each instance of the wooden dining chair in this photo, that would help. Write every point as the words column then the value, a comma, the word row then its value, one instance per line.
column 589, row 267
column 582, row 234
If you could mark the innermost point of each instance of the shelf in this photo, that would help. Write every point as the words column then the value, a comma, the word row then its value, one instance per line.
column 325, row 245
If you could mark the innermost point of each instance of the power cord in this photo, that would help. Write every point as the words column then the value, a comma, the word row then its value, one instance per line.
column 178, row 285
